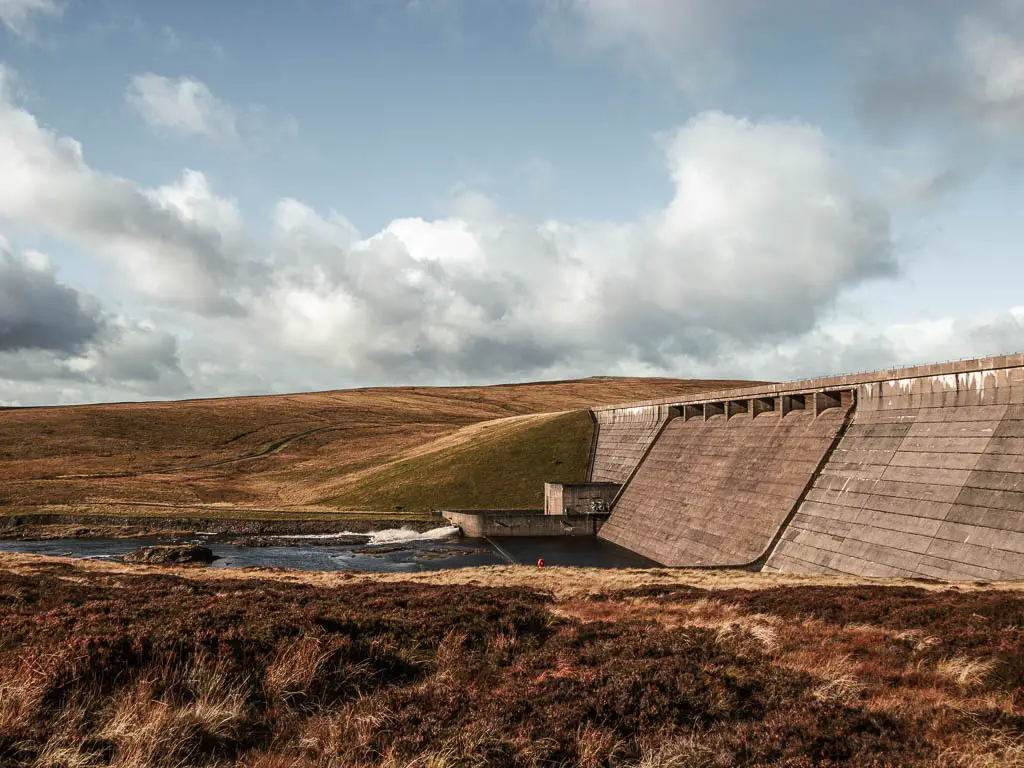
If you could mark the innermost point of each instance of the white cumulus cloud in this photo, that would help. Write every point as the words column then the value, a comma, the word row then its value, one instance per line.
column 687, row 38
column 181, row 105
column 763, row 231
column 18, row 15
column 173, row 243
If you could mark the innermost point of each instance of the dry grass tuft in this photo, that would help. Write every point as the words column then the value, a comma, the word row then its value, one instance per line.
column 449, row 657
column 766, row 635
column 21, row 695
column 169, row 730
column 965, row 671
column 688, row 752
column 840, row 681
column 277, row 761
column 919, row 640
column 58, row 753
column 597, row 746
column 994, row 749
column 295, row 667
column 503, row 646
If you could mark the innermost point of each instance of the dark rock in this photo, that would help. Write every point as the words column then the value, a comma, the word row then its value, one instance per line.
column 251, row 541
column 177, row 555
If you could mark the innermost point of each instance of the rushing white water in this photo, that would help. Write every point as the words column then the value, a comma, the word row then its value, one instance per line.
column 402, row 535
column 342, row 535
column 389, row 536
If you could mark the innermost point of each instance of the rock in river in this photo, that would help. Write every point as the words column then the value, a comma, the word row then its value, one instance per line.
column 176, row 555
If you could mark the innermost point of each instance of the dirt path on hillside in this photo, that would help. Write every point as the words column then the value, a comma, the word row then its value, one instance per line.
column 462, row 435
column 490, row 430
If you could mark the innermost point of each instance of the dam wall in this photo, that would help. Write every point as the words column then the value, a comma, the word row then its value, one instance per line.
column 623, row 437
column 928, row 481
column 715, row 488
column 915, row 472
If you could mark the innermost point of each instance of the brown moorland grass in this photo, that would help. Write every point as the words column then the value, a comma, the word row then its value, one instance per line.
column 102, row 664
column 275, row 453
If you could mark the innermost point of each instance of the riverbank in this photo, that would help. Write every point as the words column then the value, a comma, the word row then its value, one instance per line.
column 102, row 664
column 242, row 530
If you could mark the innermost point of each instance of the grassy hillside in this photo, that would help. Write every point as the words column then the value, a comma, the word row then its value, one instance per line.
column 286, row 452
column 501, row 467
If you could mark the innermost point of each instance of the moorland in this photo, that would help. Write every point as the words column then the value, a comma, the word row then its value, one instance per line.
column 108, row 665
column 364, row 457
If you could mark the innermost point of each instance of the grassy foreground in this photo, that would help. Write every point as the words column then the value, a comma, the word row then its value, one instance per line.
column 104, row 666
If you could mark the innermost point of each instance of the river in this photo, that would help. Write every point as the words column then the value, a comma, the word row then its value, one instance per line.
column 394, row 551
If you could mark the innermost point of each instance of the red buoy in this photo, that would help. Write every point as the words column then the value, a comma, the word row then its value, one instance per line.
column 540, row 562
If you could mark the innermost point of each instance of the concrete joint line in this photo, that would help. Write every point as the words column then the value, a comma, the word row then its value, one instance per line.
column 758, row 562
column 672, row 415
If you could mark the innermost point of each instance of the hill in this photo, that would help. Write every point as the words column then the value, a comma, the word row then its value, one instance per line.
column 361, row 449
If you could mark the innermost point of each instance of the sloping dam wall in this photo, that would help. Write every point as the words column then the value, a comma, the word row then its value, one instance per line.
column 623, row 437
column 911, row 472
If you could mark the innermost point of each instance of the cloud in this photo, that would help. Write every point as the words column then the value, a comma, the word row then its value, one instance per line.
column 17, row 15
column 962, row 96
column 173, row 244
column 184, row 106
column 133, row 353
column 686, row 39
column 127, row 360
column 763, row 232
column 57, row 344
column 837, row 350
column 39, row 313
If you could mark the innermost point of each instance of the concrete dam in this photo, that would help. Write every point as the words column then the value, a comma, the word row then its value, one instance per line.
column 912, row 472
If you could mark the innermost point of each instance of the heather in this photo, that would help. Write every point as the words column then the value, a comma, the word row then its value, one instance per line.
column 165, row 667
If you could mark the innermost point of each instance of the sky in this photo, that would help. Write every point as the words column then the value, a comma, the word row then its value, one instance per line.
column 210, row 199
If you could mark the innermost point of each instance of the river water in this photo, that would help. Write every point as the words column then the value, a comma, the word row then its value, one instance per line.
column 395, row 551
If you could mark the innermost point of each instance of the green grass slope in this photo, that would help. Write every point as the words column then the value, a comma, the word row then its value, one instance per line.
column 503, row 467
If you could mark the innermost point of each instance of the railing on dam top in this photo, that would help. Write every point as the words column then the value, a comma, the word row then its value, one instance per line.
column 910, row 366
column 821, row 385
column 752, row 407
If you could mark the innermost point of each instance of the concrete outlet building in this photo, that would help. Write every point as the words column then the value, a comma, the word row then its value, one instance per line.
column 579, row 498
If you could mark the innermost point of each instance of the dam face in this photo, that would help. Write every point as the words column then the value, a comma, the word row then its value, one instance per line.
column 915, row 472
column 715, row 491
column 623, row 437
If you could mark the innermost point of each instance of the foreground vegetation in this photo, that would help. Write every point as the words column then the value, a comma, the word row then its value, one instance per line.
column 304, row 453
column 101, row 665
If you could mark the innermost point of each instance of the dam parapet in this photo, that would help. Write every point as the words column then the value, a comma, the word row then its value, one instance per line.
column 914, row 472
